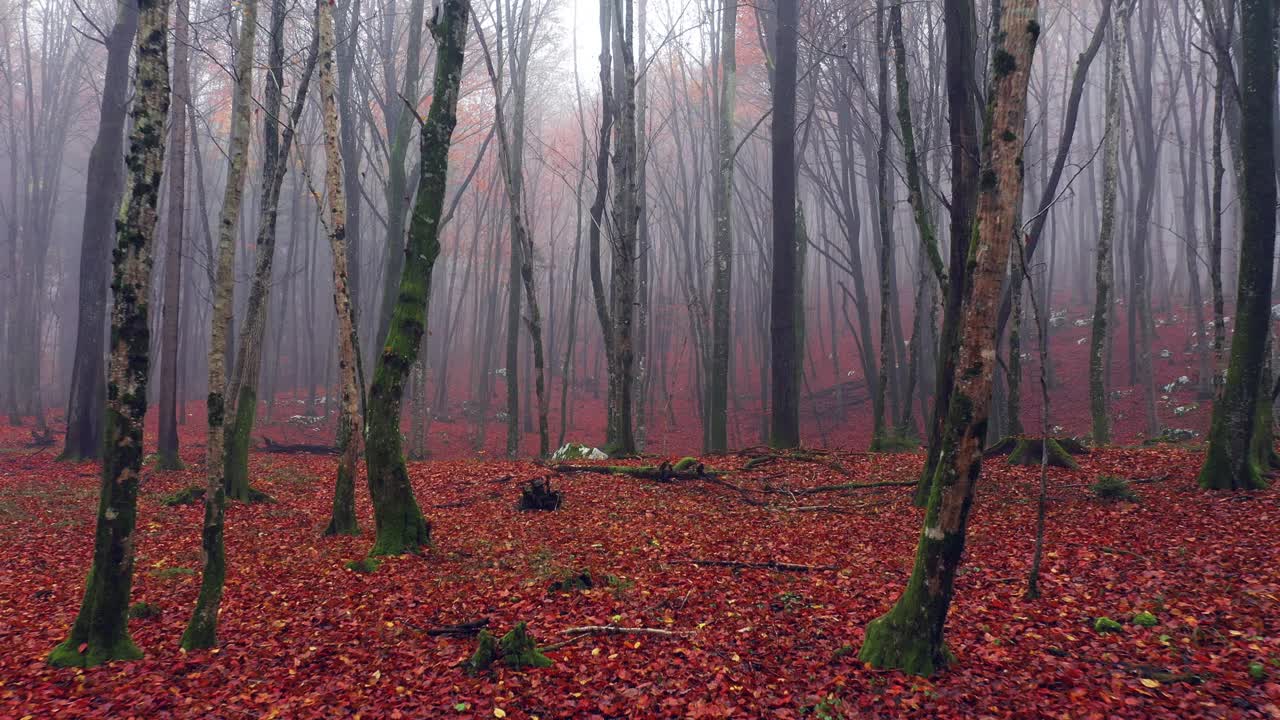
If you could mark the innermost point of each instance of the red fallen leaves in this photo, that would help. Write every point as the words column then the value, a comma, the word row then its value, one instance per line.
column 302, row 636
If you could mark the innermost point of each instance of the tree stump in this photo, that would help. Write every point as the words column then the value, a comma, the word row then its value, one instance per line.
column 538, row 495
column 1028, row 451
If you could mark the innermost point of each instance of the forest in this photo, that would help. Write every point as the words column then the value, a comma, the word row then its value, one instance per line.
column 639, row 358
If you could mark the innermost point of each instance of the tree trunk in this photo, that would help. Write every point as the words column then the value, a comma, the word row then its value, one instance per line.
column 171, row 313
column 201, row 631
column 961, row 38
column 784, row 431
column 910, row 636
column 105, row 175
column 1230, row 465
column 620, row 439
column 400, row 525
column 722, row 262
column 398, row 128
column 350, row 419
column 243, row 391
column 101, row 631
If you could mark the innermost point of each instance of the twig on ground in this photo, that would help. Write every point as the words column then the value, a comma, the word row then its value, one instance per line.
column 771, row 565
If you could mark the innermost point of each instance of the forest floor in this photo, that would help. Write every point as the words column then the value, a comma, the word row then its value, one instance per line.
column 302, row 635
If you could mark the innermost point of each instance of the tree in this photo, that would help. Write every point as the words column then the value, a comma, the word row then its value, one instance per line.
column 350, row 420
column 105, row 178
column 400, row 525
column 175, row 224
column 243, row 390
column 398, row 132
column 959, row 27
column 722, row 262
column 510, row 151
column 620, row 437
column 101, row 629
column 1110, row 180
column 1230, row 465
column 910, row 636
column 201, row 631
column 785, row 353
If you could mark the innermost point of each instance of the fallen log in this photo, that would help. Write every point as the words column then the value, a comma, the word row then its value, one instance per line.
column 466, row 629
column 663, row 472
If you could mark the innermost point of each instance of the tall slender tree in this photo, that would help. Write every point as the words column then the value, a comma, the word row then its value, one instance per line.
column 175, row 225
column 960, row 31
column 201, row 631
column 350, row 419
column 784, row 354
column 722, row 260
column 400, row 525
column 101, row 629
column 1113, row 129
column 105, row 178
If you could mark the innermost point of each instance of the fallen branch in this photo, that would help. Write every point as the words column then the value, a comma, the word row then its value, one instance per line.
column 771, row 565
column 837, row 488
column 815, row 508
column 271, row 446
column 579, row 633
column 466, row 629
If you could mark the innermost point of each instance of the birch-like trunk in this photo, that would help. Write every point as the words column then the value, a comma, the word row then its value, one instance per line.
column 243, row 391
column 1098, row 404
column 350, row 420
column 201, row 631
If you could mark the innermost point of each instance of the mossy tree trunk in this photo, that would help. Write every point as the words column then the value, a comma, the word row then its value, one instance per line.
column 243, row 391
column 1230, row 465
column 400, row 525
column 201, row 631
column 101, row 629
column 350, row 420
column 398, row 132
column 910, row 636
column 1098, row 404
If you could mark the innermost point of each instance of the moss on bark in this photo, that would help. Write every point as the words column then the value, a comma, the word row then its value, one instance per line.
column 1028, row 451
column 101, row 629
column 400, row 525
column 236, row 462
